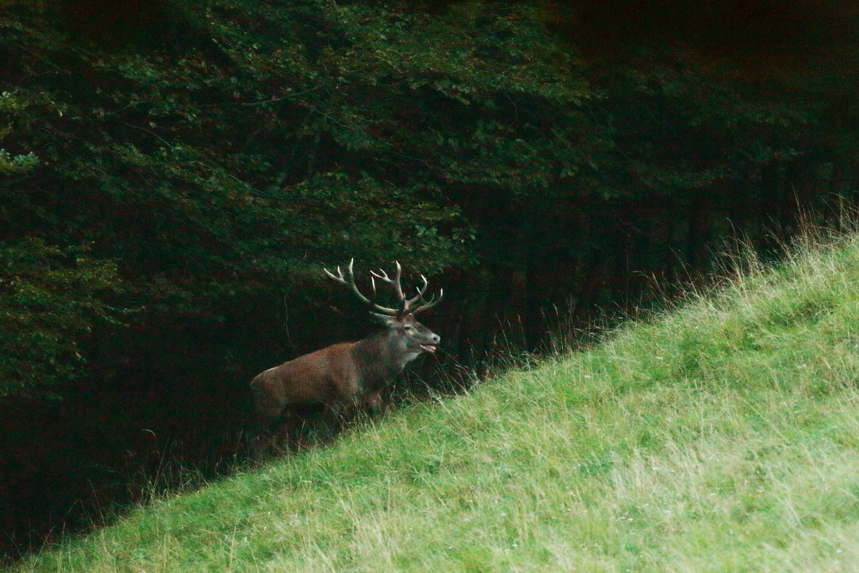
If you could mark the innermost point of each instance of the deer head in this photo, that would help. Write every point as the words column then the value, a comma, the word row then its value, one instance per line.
column 411, row 335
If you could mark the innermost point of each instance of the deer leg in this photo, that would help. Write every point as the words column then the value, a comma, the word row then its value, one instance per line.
column 374, row 403
column 260, row 437
column 253, row 435
column 280, row 436
column 290, row 430
column 334, row 415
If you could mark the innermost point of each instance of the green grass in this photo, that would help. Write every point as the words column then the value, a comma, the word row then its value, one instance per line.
column 722, row 436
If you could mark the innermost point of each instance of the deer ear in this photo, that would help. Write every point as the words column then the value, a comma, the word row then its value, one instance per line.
column 384, row 318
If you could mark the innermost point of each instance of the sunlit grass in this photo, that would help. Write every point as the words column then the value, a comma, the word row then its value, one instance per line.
column 723, row 436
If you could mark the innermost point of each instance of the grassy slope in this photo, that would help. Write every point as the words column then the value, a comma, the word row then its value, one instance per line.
column 721, row 437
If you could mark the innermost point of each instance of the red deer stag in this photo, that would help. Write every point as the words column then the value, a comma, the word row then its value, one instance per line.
column 344, row 375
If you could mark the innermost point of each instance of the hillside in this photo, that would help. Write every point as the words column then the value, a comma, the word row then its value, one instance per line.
column 722, row 436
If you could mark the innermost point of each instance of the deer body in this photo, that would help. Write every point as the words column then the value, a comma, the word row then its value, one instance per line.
column 343, row 375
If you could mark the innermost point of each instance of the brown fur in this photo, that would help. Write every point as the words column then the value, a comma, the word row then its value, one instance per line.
column 343, row 375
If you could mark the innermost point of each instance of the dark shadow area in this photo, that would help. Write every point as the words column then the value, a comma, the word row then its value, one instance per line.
column 773, row 30
column 117, row 24
column 70, row 459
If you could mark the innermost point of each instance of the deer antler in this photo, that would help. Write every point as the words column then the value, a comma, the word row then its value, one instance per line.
column 349, row 281
column 425, row 304
column 405, row 304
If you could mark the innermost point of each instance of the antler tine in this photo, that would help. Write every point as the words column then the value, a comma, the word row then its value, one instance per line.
column 420, row 295
column 349, row 281
column 430, row 303
column 339, row 278
column 395, row 282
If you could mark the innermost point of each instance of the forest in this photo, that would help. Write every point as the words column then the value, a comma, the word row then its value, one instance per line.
column 174, row 176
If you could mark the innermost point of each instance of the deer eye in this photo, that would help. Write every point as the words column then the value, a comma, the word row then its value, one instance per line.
column 407, row 327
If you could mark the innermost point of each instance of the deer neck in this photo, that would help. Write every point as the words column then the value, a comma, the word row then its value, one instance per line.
column 380, row 359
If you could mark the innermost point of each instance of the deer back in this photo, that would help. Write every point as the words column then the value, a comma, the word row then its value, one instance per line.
column 327, row 376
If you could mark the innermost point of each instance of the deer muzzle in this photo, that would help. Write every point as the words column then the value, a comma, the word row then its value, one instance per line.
column 435, row 339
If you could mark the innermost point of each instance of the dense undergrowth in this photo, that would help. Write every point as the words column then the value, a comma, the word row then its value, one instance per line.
column 720, row 436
